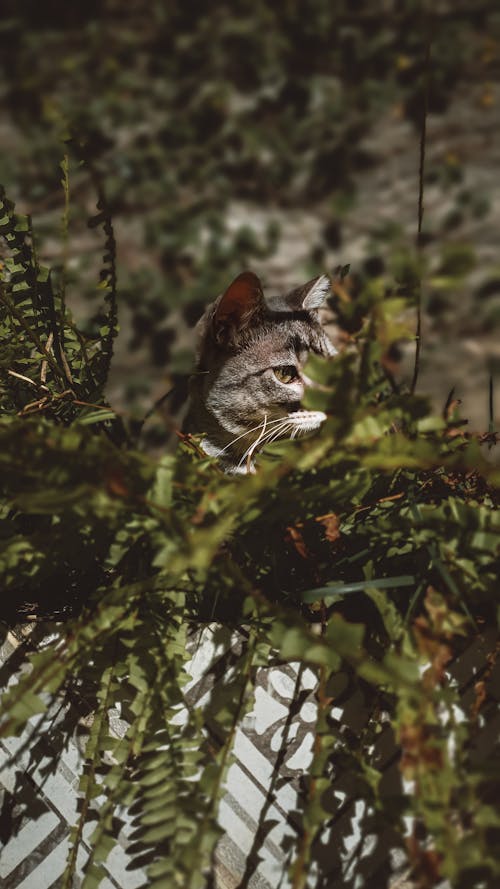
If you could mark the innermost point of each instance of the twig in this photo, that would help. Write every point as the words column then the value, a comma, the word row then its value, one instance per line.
column 99, row 407
column 14, row 373
column 491, row 410
column 65, row 364
column 421, row 169
column 65, row 228
column 43, row 370
column 448, row 403
column 44, row 402
column 155, row 406
column 109, row 271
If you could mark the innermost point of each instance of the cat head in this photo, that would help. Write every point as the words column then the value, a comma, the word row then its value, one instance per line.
column 250, row 381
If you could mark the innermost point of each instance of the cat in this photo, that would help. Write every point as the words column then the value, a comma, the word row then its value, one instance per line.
column 249, row 378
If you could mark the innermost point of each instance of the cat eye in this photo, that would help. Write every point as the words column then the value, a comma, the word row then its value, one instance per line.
column 286, row 374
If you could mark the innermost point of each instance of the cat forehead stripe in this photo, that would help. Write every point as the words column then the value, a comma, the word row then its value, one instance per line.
column 298, row 343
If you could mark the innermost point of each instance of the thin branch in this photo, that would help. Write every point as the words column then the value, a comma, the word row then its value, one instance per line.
column 43, row 370
column 158, row 403
column 421, row 170
column 109, row 270
column 25, row 379
column 64, row 165
column 491, row 410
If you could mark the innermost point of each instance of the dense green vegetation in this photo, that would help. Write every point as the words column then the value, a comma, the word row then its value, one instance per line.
column 369, row 552
column 383, row 529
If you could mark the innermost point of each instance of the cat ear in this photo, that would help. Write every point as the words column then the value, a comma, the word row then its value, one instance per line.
column 307, row 298
column 237, row 307
column 316, row 292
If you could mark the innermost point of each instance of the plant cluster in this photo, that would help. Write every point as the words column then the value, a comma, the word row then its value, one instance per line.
column 382, row 531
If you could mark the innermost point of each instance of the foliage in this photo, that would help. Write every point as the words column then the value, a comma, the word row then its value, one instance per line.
column 188, row 109
column 382, row 531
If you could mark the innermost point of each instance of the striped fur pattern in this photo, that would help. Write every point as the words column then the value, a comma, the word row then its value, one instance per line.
column 249, row 381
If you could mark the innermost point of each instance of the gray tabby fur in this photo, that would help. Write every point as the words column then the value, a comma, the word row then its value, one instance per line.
column 236, row 400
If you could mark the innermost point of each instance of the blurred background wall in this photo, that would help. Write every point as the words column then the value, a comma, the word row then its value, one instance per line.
column 280, row 137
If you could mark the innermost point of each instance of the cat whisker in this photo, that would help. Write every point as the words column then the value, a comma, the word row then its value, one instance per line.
column 248, row 431
column 255, row 445
column 282, row 427
column 250, row 451
column 289, row 426
column 276, row 433
column 272, row 434
column 251, row 448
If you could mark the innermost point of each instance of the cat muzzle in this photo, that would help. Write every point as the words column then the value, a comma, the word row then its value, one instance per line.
column 306, row 421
